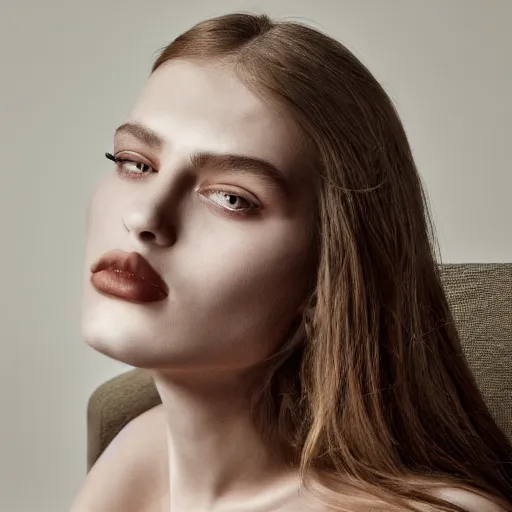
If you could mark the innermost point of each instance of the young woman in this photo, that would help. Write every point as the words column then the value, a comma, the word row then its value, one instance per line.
column 263, row 247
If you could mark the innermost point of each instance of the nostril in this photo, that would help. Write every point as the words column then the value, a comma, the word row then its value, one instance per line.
column 147, row 236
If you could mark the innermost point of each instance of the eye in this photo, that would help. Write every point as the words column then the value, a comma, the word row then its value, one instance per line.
column 232, row 202
column 130, row 167
column 236, row 204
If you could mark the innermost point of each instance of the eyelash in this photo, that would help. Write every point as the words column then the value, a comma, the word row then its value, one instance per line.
column 252, row 210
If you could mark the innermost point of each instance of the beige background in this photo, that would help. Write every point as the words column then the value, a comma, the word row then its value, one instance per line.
column 69, row 73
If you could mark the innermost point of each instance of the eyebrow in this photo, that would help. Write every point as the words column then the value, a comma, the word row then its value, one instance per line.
column 225, row 162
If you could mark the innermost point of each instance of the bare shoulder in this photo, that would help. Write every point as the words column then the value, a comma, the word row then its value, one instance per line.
column 131, row 471
column 471, row 501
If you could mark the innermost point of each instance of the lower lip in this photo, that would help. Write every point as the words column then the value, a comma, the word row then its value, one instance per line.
column 126, row 286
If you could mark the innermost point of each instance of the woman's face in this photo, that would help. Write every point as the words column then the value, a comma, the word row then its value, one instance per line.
column 236, row 276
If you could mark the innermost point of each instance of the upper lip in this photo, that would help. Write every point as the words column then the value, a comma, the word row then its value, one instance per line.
column 131, row 262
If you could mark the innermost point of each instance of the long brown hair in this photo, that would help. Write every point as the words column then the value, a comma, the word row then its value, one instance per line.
column 385, row 406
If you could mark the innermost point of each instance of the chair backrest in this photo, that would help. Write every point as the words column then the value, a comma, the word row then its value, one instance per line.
column 480, row 297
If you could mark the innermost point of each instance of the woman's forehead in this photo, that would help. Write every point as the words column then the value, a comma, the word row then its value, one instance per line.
column 208, row 108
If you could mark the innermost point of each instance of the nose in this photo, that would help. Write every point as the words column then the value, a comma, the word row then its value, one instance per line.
column 148, row 225
column 155, row 216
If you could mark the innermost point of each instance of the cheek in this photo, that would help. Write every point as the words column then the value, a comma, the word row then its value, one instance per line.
column 259, row 266
column 245, row 289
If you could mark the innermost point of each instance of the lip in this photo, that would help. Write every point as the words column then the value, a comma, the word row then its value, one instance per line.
column 129, row 276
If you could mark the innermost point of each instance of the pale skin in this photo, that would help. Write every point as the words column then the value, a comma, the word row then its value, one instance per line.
column 236, row 284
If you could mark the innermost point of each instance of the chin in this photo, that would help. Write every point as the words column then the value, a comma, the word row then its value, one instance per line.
column 119, row 329
column 105, row 341
column 123, row 332
column 114, row 329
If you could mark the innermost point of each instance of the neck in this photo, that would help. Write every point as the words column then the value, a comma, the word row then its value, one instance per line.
column 217, row 459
